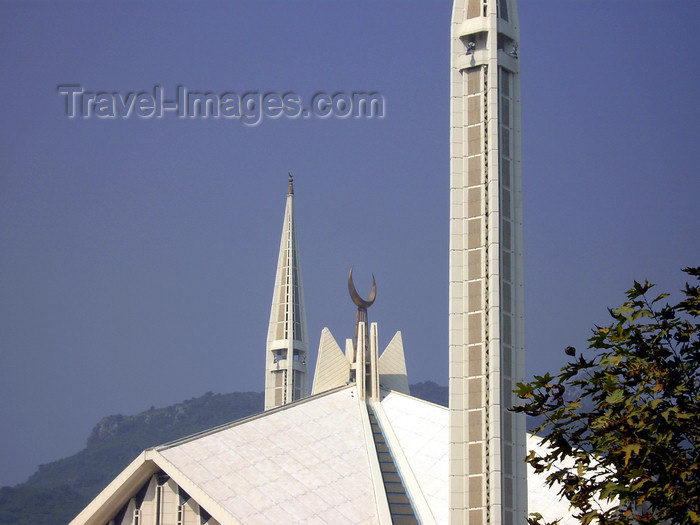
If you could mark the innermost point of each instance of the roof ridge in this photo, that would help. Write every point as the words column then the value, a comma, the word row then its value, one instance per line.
column 388, row 391
column 246, row 419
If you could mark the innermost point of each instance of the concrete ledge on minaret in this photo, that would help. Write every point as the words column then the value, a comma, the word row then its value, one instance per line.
column 473, row 25
column 507, row 61
column 478, row 58
column 507, row 29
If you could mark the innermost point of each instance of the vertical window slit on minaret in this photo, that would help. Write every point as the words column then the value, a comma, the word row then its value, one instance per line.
column 505, row 173
column 507, row 361
column 507, row 246
column 505, row 203
column 506, row 265
column 487, row 340
column 505, row 141
column 473, row 8
column 505, row 111
column 503, row 9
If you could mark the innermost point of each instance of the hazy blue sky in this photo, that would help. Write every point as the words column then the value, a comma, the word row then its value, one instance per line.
column 137, row 256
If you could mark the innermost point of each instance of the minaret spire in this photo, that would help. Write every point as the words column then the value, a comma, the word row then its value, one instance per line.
column 286, row 355
column 487, row 441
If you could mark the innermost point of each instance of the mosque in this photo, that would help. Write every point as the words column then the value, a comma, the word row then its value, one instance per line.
column 360, row 449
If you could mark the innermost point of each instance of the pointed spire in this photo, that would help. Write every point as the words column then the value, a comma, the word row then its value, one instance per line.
column 286, row 369
column 392, row 367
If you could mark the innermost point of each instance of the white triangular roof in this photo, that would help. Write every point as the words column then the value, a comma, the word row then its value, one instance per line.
column 311, row 462
column 307, row 463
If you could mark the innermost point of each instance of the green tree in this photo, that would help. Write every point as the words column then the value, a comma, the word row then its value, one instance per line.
column 624, row 447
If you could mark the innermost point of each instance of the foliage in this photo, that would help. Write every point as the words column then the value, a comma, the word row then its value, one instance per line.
column 626, row 449
column 38, row 505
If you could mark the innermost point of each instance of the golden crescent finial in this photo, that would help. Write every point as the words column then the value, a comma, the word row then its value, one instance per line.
column 359, row 301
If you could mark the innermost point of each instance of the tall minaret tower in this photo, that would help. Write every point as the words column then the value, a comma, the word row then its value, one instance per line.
column 487, row 442
column 286, row 356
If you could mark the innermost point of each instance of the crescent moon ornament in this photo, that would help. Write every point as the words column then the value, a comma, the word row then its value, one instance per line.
column 362, row 369
column 359, row 301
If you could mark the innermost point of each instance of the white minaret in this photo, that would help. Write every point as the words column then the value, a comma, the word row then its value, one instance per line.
column 487, row 442
column 286, row 356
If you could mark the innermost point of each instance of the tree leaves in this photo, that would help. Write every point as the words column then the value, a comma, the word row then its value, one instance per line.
column 629, row 450
column 631, row 455
column 616, row 397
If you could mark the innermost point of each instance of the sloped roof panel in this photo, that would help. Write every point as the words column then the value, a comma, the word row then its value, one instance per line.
column 422, row 431
column 304, row 463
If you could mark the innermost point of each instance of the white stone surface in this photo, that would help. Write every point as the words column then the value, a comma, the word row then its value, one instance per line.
column 332, row 367
column 542, row 499
column 422, row 431
column 306, row 463
column 392, row 366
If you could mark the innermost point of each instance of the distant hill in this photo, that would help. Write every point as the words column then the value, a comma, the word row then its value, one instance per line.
column 430, row 392
column 58, row 491
column 55, row 493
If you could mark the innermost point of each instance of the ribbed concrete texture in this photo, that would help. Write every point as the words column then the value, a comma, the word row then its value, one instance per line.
column 487, row 442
